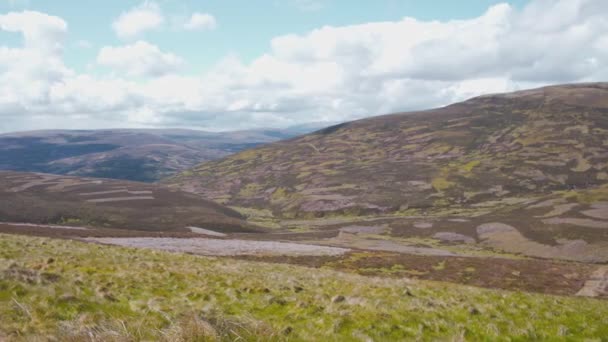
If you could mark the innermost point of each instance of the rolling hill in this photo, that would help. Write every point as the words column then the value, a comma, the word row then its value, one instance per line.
column 488, row 148
column 524, row 172
column 102, row 203
column 104, row 293
column 131, row 154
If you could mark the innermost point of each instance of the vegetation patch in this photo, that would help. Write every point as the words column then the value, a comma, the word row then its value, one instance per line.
column 440, row 184
column 113, row 293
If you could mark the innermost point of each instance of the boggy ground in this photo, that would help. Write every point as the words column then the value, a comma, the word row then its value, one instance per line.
column 501, row 271
column 568, row 225
column 533, row 275
column 515, row 245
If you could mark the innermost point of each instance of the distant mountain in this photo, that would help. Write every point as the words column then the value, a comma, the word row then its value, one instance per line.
column 132, row 154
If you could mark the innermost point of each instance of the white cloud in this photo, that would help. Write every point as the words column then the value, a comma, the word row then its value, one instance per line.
column 40, row 31
column 28, row 73
column 139, row 59
column 201, row 21
column 147, row 16
column 328, row 74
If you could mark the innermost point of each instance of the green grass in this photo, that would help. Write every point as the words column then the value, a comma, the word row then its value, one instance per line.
column 72, row 291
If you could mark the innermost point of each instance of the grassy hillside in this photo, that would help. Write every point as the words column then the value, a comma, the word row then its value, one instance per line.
column 93, row 202
column 71, row 291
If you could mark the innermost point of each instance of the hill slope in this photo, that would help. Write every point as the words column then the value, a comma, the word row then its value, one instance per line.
column 525, row 172
column 132, row 154
column 91, row 202
column 93, row 292
column 487, row 148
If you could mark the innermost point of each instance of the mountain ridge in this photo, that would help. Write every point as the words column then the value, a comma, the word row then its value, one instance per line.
column 131, row 154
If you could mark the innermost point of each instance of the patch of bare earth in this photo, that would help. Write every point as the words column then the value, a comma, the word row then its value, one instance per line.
column 588, row 223
column 70, row 232
column 208, row 232
column 217, row 247
column 453, row 237
column 120, row 199
column 364, row 229
column 361, row 242
column 597, row 285
column 47, row 226
column 508, row 238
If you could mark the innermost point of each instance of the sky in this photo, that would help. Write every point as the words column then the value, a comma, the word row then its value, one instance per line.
column 234, row 64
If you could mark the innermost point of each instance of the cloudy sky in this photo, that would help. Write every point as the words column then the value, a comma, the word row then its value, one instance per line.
column 237, row 64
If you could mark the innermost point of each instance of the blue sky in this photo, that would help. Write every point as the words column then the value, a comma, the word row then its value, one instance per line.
column 222, row 65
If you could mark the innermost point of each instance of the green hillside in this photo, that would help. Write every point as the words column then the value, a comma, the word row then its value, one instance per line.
column 120, row 294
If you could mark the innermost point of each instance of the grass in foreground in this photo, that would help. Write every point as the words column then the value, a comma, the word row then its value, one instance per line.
column 70, row 291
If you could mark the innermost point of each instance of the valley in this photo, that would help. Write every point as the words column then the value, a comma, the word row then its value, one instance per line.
column 496, row 202
column 303, row 171
column 131, row 154
column 519, row 173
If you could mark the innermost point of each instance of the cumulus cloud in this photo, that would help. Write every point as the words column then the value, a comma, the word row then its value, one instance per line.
column 28, row 73
column 329, row 74
column 40, row 31
column 201, row 21
column 147, row 16
column 139, row 59
column 354, row 71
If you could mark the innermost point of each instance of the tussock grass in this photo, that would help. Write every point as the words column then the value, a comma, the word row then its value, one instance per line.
column 70, row 291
